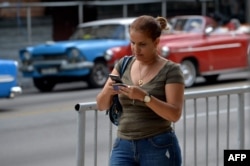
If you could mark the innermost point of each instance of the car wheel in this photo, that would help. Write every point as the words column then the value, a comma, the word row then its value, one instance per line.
column 98, row 75
column 189, row 72
column 211, row 79
column 44, row 85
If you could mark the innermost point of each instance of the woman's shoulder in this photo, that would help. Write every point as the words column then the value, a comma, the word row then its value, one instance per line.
column 171, row 64
column 173, row 72
column 126, row 58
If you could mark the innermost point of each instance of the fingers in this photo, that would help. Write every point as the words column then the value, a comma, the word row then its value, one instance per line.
column 126, row 90
column 111, row 89
column 133, row 92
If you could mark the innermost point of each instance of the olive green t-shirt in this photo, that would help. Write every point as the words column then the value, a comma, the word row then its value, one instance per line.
column 137, row 120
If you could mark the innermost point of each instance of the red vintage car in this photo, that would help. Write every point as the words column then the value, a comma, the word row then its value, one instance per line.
column 201, row 48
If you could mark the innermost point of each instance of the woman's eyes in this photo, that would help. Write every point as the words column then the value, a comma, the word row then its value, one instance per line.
column 140, row 44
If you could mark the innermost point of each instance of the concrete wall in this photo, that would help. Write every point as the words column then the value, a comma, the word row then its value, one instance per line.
column 13, row 35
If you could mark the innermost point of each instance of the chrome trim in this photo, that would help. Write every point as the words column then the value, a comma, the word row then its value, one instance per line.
column 108, row 55
column 165, row 51
column 15, row 90
column 6, row 78
column 51, row 62
column 29, row 68
column 224, row 71
column 80, row 65
column 62, row 65
column 207, row 48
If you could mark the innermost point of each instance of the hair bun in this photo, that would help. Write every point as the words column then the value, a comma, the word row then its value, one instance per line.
column 163, row 23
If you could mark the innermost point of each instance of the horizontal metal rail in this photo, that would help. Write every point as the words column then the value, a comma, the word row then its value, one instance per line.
column 190, row 148
column 95, row 3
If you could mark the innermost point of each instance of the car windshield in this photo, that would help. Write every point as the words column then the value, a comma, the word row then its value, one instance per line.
column 187, row 25
column 112, row 31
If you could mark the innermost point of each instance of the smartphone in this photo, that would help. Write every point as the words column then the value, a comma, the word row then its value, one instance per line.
column 115, row 78
column 117, row 86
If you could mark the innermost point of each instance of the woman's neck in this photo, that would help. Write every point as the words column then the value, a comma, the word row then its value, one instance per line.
column 150, row 62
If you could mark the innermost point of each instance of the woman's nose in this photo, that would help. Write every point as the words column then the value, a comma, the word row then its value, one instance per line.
column 136, row 49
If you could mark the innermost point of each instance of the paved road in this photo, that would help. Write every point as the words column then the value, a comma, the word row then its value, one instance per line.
column 41, row 128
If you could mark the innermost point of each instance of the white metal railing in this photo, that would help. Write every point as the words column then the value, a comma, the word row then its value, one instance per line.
column 203, row 133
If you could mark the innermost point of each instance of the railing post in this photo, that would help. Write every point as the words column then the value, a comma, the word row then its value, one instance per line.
column 125, row 10
column 110, row 136
column 80, row 13
column 195, row 132
column 81, row 138
column 95, row 139
column 29, row 29
column 184, row 131
column 241, row 121
column 164, row 8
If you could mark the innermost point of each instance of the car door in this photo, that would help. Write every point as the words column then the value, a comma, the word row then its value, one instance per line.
column 227, row 51
column 8, row 75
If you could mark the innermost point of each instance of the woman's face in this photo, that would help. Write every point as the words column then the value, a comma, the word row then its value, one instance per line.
column 142, row 46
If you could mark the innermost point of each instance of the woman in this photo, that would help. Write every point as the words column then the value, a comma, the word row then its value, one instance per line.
column 151, row 101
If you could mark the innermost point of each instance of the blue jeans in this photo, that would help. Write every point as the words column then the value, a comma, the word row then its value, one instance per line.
column 159, row 150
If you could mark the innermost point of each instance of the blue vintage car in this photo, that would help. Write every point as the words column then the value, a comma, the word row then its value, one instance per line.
column 81, row 58
column 8, row 79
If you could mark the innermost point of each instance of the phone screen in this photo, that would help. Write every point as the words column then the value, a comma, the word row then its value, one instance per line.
column 117, row 86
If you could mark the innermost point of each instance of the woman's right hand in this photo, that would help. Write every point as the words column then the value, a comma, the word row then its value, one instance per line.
column 110, row 88
column 105, row 97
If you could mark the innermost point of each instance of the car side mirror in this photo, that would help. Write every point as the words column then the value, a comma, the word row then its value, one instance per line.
column 208, row 30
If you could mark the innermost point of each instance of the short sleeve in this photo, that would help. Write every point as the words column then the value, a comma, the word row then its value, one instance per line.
column 119, row 64
column 175, row 74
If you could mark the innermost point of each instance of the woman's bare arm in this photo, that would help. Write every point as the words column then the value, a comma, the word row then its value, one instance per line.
column 104, row 98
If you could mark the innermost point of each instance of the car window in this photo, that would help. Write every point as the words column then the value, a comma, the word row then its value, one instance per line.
column 187, row 25
column 113, row 31
column 179, row 24
column 194, row 25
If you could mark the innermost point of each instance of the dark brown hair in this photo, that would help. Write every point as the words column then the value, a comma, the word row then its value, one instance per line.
column 149, row 25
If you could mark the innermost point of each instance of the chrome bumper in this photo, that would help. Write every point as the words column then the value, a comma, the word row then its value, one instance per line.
column 14, row 91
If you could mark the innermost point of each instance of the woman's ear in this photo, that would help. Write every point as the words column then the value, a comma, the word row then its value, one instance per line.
column 157, row 41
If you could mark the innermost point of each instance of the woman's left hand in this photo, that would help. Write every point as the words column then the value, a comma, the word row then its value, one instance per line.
column 133, row 92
